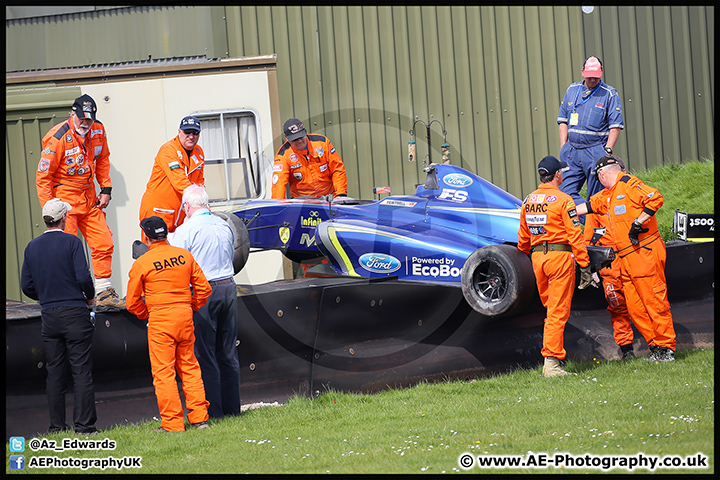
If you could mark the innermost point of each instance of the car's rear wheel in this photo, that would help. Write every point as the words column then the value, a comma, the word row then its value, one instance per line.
column 241, row 243
column 497, row 280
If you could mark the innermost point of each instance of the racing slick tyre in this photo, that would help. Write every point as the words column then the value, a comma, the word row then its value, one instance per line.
column 241, row 244
column 497, row 280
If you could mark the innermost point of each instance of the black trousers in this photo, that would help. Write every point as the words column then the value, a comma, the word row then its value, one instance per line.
column 216, row 352
column 67, row 335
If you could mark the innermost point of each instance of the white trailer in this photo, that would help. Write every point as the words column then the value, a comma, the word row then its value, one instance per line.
column 141, row 107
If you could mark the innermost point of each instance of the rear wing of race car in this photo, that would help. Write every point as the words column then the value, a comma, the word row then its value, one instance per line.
column 694, row 227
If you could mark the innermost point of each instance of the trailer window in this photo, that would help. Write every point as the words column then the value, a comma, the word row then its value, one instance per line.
column 230, row 140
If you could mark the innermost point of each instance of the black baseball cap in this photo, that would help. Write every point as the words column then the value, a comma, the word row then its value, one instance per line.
column 549, row 165
column 607, row 160
column 154, row 227
column 294, row 129
column 84, row 107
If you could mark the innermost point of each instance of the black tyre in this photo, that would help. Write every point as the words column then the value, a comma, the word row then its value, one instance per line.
column 241, row 244
column 497, row 280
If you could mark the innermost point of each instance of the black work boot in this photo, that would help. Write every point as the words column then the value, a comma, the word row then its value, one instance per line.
column 627, row 351
column 664, row 354
column 653, row 353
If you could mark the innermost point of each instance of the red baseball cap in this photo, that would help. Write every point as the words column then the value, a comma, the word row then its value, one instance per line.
column 592, row 68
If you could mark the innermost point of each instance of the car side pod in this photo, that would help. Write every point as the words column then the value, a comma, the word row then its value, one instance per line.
column 497, row 280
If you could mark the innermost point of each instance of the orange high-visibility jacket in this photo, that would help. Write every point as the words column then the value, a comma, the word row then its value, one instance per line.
column 68, row 163
column 173, row 171
column 163, row 275
column 622, row 204
column 549, row 215
column 319, row 173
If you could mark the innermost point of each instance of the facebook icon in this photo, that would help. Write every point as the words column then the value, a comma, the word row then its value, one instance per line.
column 17, row 462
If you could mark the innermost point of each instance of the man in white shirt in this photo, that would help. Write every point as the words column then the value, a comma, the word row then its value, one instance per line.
column 210, row 240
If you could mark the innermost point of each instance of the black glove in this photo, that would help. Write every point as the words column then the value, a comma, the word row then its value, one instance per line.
column 586, row 278
column 636, row 230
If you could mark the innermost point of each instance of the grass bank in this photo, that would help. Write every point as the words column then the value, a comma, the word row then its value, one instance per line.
column 689, row 187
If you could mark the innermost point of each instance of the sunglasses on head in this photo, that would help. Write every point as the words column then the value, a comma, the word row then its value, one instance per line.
column 191, row 132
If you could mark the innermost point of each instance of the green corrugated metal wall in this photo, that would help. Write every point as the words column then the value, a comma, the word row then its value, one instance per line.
column 25, row 126
column 114, row 35
column 493, row 75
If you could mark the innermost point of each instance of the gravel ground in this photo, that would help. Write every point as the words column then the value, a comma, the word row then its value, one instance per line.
column 253, row 406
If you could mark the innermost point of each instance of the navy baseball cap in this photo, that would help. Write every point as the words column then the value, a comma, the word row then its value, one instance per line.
column 607, row 160
column 549, row 165
column 294, row 129
column 190, row 123
column 154, row 227
column 84, row 107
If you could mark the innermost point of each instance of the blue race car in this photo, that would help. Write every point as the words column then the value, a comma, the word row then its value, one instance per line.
column 458, row 229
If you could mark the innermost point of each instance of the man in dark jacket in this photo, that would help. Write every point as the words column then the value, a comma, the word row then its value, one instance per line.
column 55, row 272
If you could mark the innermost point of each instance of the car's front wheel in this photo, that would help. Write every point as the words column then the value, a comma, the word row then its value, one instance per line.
column 241, row 243
column 497, row 280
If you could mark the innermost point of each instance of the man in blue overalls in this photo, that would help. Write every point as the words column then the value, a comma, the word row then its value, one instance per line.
column 590, row 119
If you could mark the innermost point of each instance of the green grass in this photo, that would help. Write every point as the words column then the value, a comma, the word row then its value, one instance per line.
column 609, row 408
column 689, row 187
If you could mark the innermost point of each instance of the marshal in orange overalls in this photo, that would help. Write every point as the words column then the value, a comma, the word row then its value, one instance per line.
column 321, row 172
column 173, row 171
column 612, row 286
column 642, row 266
column 67, row 168
column 548, row 216
column 163, row 275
